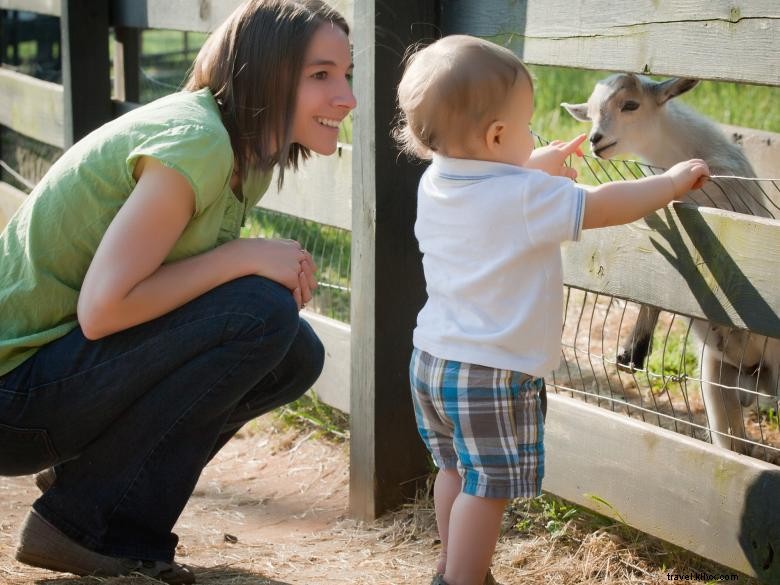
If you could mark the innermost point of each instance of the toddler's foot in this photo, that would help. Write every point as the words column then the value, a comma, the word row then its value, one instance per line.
column 441, row 566
column 438, row 579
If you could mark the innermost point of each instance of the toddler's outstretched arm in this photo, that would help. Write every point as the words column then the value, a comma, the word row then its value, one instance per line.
column 626, row 201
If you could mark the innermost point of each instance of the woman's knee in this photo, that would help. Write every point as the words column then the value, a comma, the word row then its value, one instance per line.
column 262, row 308
column 308, row 354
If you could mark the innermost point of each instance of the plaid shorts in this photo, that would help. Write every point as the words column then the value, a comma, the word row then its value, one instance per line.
column 487, row 422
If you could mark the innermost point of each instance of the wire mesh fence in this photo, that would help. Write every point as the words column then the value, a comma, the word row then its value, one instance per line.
column 666, row 390
column 714, row 383
column 664, row 386
column 330, row 248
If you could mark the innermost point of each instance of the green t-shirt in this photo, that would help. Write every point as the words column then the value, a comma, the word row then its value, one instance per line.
column 49, row 243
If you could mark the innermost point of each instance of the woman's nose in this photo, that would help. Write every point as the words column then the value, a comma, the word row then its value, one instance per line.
column 345, row 98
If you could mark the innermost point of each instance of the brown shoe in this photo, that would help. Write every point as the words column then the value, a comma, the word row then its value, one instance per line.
column 43, row 545
column 45, row 479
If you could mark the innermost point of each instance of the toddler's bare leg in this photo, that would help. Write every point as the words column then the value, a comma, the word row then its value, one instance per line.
column 475, row 524
column 445, row 489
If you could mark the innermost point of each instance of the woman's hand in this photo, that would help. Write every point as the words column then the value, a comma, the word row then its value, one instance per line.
column 552, row 158
column 283, row 261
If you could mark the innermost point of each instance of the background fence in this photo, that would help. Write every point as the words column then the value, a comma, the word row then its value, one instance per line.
column 662, row 477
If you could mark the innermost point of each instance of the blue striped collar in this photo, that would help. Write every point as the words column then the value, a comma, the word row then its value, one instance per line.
column 462, row 169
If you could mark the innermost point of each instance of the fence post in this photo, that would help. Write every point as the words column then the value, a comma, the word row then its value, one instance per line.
column 85, row 67
column 387, row 455
column 127, row 50
column 3, row 57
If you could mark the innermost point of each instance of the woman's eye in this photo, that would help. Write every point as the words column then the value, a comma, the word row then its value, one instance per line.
column 320, row 75
column 629, row 106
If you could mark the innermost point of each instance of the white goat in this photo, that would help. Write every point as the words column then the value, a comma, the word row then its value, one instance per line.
column 633, row 114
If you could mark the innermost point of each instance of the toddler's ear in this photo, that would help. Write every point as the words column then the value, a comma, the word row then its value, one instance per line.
column 494, row 134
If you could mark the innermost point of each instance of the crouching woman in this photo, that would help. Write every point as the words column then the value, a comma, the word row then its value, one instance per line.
column 139, row 333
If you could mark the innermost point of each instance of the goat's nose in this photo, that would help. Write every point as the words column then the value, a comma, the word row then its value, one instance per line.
column 596, row 138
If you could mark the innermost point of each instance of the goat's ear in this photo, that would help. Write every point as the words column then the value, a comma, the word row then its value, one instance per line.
column 577, row 111
column 666, row 90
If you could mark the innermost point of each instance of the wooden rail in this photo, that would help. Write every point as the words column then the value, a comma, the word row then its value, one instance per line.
column 707, row 263
column 733, row 40
column 680, row 489
column 189, row 15
column 49, row 7
column 32, row 107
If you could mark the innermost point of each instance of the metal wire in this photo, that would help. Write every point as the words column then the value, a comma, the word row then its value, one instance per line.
column 666, row 389
column 329, row 247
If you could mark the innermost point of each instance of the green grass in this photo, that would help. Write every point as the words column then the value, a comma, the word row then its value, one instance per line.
column 671, row 357
column 308, row 412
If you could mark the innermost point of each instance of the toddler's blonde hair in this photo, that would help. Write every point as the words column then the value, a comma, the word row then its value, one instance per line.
column 453, row 89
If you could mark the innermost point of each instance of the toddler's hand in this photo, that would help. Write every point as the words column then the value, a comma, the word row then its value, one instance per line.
column 688, row 176
column 551, row 158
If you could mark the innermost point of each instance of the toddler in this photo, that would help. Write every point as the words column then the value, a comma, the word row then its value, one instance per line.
column 491, row 216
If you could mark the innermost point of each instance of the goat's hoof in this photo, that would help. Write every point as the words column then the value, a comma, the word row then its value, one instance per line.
column 625, row 363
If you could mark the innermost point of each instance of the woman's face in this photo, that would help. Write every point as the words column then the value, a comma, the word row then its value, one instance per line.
column 324, row 93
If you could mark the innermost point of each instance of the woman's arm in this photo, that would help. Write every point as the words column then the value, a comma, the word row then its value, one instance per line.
column 127, row 283
column 626, row 201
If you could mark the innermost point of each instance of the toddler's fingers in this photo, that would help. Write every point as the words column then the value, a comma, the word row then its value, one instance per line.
column 297, row 297
column 700, row 182
column 570, row 173
column 573, row 146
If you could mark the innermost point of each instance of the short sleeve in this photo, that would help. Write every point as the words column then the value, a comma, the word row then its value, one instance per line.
column 201, row 154
column 553, row 208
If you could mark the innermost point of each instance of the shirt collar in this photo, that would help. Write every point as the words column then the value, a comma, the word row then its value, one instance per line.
column 470, row 169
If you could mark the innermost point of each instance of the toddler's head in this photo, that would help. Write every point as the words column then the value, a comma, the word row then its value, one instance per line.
column 465, row 97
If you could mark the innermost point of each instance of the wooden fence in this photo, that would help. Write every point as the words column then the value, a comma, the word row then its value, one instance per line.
column 713, row 502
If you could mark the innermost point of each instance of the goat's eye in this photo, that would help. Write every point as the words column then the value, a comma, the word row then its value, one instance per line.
column 630, row 106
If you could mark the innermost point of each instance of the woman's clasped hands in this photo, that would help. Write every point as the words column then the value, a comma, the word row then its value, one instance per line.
column 283, row 261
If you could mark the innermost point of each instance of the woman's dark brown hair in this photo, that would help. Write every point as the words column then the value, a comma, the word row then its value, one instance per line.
column 252, row 65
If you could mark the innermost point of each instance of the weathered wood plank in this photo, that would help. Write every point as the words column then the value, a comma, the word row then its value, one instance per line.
column 50, row 7
column 386, row 454
column 32, row 107
column 736, row 40
column 127, row 52
column 680, row 489
column 85, row 67
column 10, row 200
column 762, row 149
column 333, row 386
column 320, row 191
column 700, row 262
column 189, row 15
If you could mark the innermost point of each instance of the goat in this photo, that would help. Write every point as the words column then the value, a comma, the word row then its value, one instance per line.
column 635, row 114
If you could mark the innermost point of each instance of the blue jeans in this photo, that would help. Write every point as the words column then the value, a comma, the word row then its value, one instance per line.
column 131, row 420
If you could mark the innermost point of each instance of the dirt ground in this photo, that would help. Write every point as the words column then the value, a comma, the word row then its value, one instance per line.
column 271, row 509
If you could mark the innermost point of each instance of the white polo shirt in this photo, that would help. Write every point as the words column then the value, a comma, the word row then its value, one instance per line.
column 490, row 234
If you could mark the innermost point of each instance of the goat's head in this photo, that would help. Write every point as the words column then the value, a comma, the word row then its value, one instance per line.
column 623, row 109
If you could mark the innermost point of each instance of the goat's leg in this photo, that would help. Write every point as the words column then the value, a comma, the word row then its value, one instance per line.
column 639, row 340
column 724, row 411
